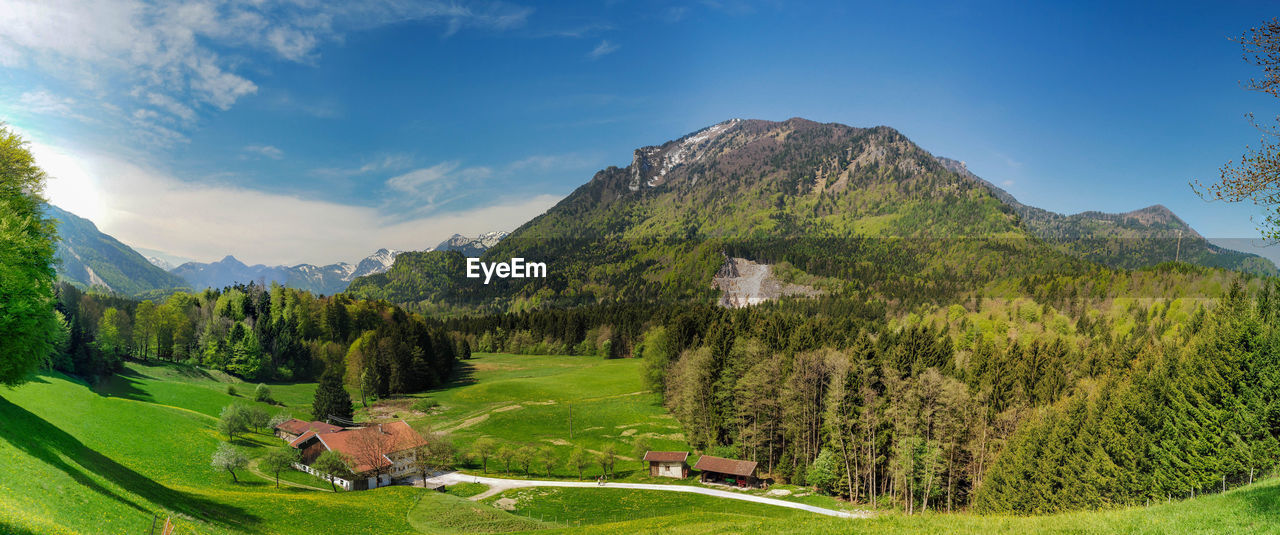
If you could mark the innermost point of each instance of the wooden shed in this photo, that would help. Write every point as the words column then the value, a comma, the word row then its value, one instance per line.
column 668, row 463
column 727, row 471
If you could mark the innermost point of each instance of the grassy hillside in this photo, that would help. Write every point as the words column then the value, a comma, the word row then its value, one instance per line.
column 1252, row 509
column 200, row 389
column 80, row 461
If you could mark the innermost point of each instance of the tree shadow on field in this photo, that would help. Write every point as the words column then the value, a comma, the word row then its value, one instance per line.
column 55, row 447
column 464, row 373
column 123, row 384
column 11, row 529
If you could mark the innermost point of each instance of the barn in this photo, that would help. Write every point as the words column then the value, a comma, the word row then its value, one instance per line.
column 668, row 463
column 727, row 471
column 289, row 430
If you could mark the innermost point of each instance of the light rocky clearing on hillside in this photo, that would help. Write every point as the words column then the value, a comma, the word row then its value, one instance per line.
column 744, row 283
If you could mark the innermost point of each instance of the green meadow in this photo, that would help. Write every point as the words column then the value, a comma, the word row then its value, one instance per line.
column 528, row 400
column 587, row 506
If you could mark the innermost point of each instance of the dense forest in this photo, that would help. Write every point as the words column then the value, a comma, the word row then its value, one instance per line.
column 258, row 333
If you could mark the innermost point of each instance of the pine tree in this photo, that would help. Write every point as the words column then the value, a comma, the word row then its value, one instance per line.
column 331, row 398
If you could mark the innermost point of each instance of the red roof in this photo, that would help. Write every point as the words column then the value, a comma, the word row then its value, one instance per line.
column 398, row 436
column 302, row 439
column 666, row 456
column 295, row 426
column 733, row 467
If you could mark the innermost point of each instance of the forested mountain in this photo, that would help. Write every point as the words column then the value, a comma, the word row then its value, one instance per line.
column 1143, row 237
column 846, row 210
column 329, row 279
column 89, row 258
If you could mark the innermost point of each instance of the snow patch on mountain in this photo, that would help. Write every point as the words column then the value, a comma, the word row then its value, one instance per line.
column 672, row 155
column 375, row 263
column 471, row 247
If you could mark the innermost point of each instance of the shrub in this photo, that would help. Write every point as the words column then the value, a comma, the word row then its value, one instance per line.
column 262, row 393
column 231, row 390
column 425, row 405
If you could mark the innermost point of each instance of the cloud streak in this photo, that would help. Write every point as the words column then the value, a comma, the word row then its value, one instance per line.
column 603, row 49
column 266, row 151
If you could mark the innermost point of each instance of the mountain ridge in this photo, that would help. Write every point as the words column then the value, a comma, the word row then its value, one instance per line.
column 661, row 226
column 90, row 258
column 1156, row 230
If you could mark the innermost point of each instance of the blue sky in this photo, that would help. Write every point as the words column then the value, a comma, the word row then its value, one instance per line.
column 310, row 132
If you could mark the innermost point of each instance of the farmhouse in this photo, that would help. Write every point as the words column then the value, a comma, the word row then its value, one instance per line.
column 293, row 428
column 378, row 453
column 668, row 463
column 727, row 471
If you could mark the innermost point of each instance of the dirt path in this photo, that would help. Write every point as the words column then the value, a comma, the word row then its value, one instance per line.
column 497, row 485
column 253, row 469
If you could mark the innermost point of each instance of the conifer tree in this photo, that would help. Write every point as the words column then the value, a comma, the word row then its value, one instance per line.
column 331, row 398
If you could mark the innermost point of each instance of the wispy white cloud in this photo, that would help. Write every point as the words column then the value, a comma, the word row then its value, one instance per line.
column 603, row 49
column 582, row 30
column 267, row 151
column 46, row 103
column 429, row 188
column 1007, row 183
column 177, row 59
column 425, row 189
column 550, row 162
column 384, row 162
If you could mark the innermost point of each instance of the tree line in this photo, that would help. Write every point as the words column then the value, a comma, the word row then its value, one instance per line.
column 257, row 333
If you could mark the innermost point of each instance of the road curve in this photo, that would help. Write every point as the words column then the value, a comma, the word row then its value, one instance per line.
column 497, row 485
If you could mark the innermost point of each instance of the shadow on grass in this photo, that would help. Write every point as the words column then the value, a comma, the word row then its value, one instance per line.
column 55, row 447
column 124, row 384
column 11, row 529
column 463, row 374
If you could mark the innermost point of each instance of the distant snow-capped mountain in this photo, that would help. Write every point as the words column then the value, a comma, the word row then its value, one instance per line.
column 471, row 246
column 375, row 263
column 329, row 279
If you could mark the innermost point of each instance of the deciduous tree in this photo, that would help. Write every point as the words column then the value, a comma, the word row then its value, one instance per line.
column 278, row 460
column 229, row 458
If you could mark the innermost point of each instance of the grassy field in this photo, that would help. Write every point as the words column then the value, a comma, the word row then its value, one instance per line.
column 586, row 506
column 444, row 514
column 1252, row 509
column 200, row 390
column 527, row 399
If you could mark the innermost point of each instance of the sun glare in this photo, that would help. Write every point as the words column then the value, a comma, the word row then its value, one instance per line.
column 70, row 186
